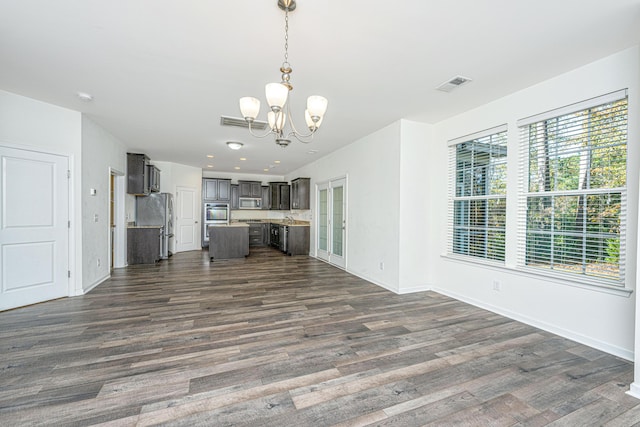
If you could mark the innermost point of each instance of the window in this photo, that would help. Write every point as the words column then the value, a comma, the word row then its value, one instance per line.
column 478, row 188
column 572, row 211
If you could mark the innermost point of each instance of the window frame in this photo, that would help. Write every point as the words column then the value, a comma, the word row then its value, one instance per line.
column 525, row 196
column 456, row 200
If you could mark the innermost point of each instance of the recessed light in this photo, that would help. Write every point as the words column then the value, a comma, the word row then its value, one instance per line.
column 237, row 168
column 209, row 166
column 243, row 158
column 234, row 145
column 266, row 169
column 276, row 161
column 210, row 156
column 83, row 96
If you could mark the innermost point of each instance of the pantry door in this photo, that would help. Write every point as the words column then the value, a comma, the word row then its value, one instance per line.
column 187, row 215
column 331, row 222
column 34, row 227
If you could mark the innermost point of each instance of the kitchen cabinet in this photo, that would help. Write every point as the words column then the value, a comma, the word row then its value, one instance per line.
column 235, row 197
column 250, row 189
column 290, row 239
column 265, row 197
column 216, row 189
column 297, row 240
column 257, row 232
column 280, row 196
column 144, row 245
column 138, row 174
column 154, row 179
column 300, row 191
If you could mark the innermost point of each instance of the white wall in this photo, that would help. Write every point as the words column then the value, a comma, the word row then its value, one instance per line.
column 372, row 168
column 31, row 124
column 101, row 153
column 416, row 184
column 602, row 320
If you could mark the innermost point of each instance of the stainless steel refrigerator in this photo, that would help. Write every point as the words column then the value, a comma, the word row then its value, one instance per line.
column 157, row 209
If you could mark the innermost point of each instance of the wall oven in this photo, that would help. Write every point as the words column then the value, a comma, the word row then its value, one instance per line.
column 214, row 213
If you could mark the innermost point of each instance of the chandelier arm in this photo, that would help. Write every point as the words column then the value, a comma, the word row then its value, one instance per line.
column 302, row 139
column 294, row 132
column 269, row 132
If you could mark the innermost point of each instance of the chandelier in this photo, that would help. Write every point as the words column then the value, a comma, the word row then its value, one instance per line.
column 277, row 94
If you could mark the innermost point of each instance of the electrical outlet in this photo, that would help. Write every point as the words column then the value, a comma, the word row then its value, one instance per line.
column 381, row 265
column 98, row 262
column 496, row 285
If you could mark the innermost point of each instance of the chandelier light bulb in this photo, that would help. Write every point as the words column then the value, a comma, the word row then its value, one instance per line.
column 313, row 126
column 249, row 107
column 277, row 94
column 317, row 106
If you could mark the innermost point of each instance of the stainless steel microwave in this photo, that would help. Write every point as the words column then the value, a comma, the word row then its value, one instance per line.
column 250, row 203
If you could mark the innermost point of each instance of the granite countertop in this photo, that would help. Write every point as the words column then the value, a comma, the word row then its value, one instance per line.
column 296, row 223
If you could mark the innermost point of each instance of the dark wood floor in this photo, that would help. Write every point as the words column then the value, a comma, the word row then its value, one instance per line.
column 291, row 341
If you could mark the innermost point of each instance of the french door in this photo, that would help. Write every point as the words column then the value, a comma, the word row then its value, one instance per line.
column 331, row 222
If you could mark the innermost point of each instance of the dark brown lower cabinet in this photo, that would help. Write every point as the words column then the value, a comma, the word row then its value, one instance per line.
column 297, row 240
column 144, row 245
column 257, row 234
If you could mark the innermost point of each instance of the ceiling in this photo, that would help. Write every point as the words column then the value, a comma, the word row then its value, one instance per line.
column 162, row 72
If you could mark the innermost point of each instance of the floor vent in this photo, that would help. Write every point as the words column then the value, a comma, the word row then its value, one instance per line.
column 453, row 83
column 242, row 123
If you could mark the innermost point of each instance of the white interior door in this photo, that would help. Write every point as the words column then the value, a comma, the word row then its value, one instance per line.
column 34, row 227
column 331, row 222
column 187, row 213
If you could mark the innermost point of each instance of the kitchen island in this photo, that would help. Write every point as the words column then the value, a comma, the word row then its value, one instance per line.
column 288, row 236
column 228, row 240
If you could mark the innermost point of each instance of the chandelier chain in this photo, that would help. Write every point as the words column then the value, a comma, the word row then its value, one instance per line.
column 286, row 37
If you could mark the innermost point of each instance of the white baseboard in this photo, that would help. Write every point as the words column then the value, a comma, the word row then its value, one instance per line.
column 414, row 289
column 634, row 390
column 96, row 283
column 582, row 339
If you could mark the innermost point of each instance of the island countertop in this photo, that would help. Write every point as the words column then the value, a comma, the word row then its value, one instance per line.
column 296, row 223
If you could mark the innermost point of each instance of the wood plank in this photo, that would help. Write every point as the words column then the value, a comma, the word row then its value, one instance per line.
column 273, row 340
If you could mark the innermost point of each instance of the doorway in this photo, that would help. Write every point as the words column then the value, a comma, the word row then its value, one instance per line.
column 117, row 222
column 331, row 199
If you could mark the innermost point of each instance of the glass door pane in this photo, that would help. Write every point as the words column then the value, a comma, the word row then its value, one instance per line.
column 323, row 219
column 338, row 221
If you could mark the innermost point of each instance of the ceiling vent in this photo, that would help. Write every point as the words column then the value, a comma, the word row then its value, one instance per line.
column 453, row 83
column 242, row 123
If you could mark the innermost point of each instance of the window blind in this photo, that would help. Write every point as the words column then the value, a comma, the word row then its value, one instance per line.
column 572, row 209
column 477, row 194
